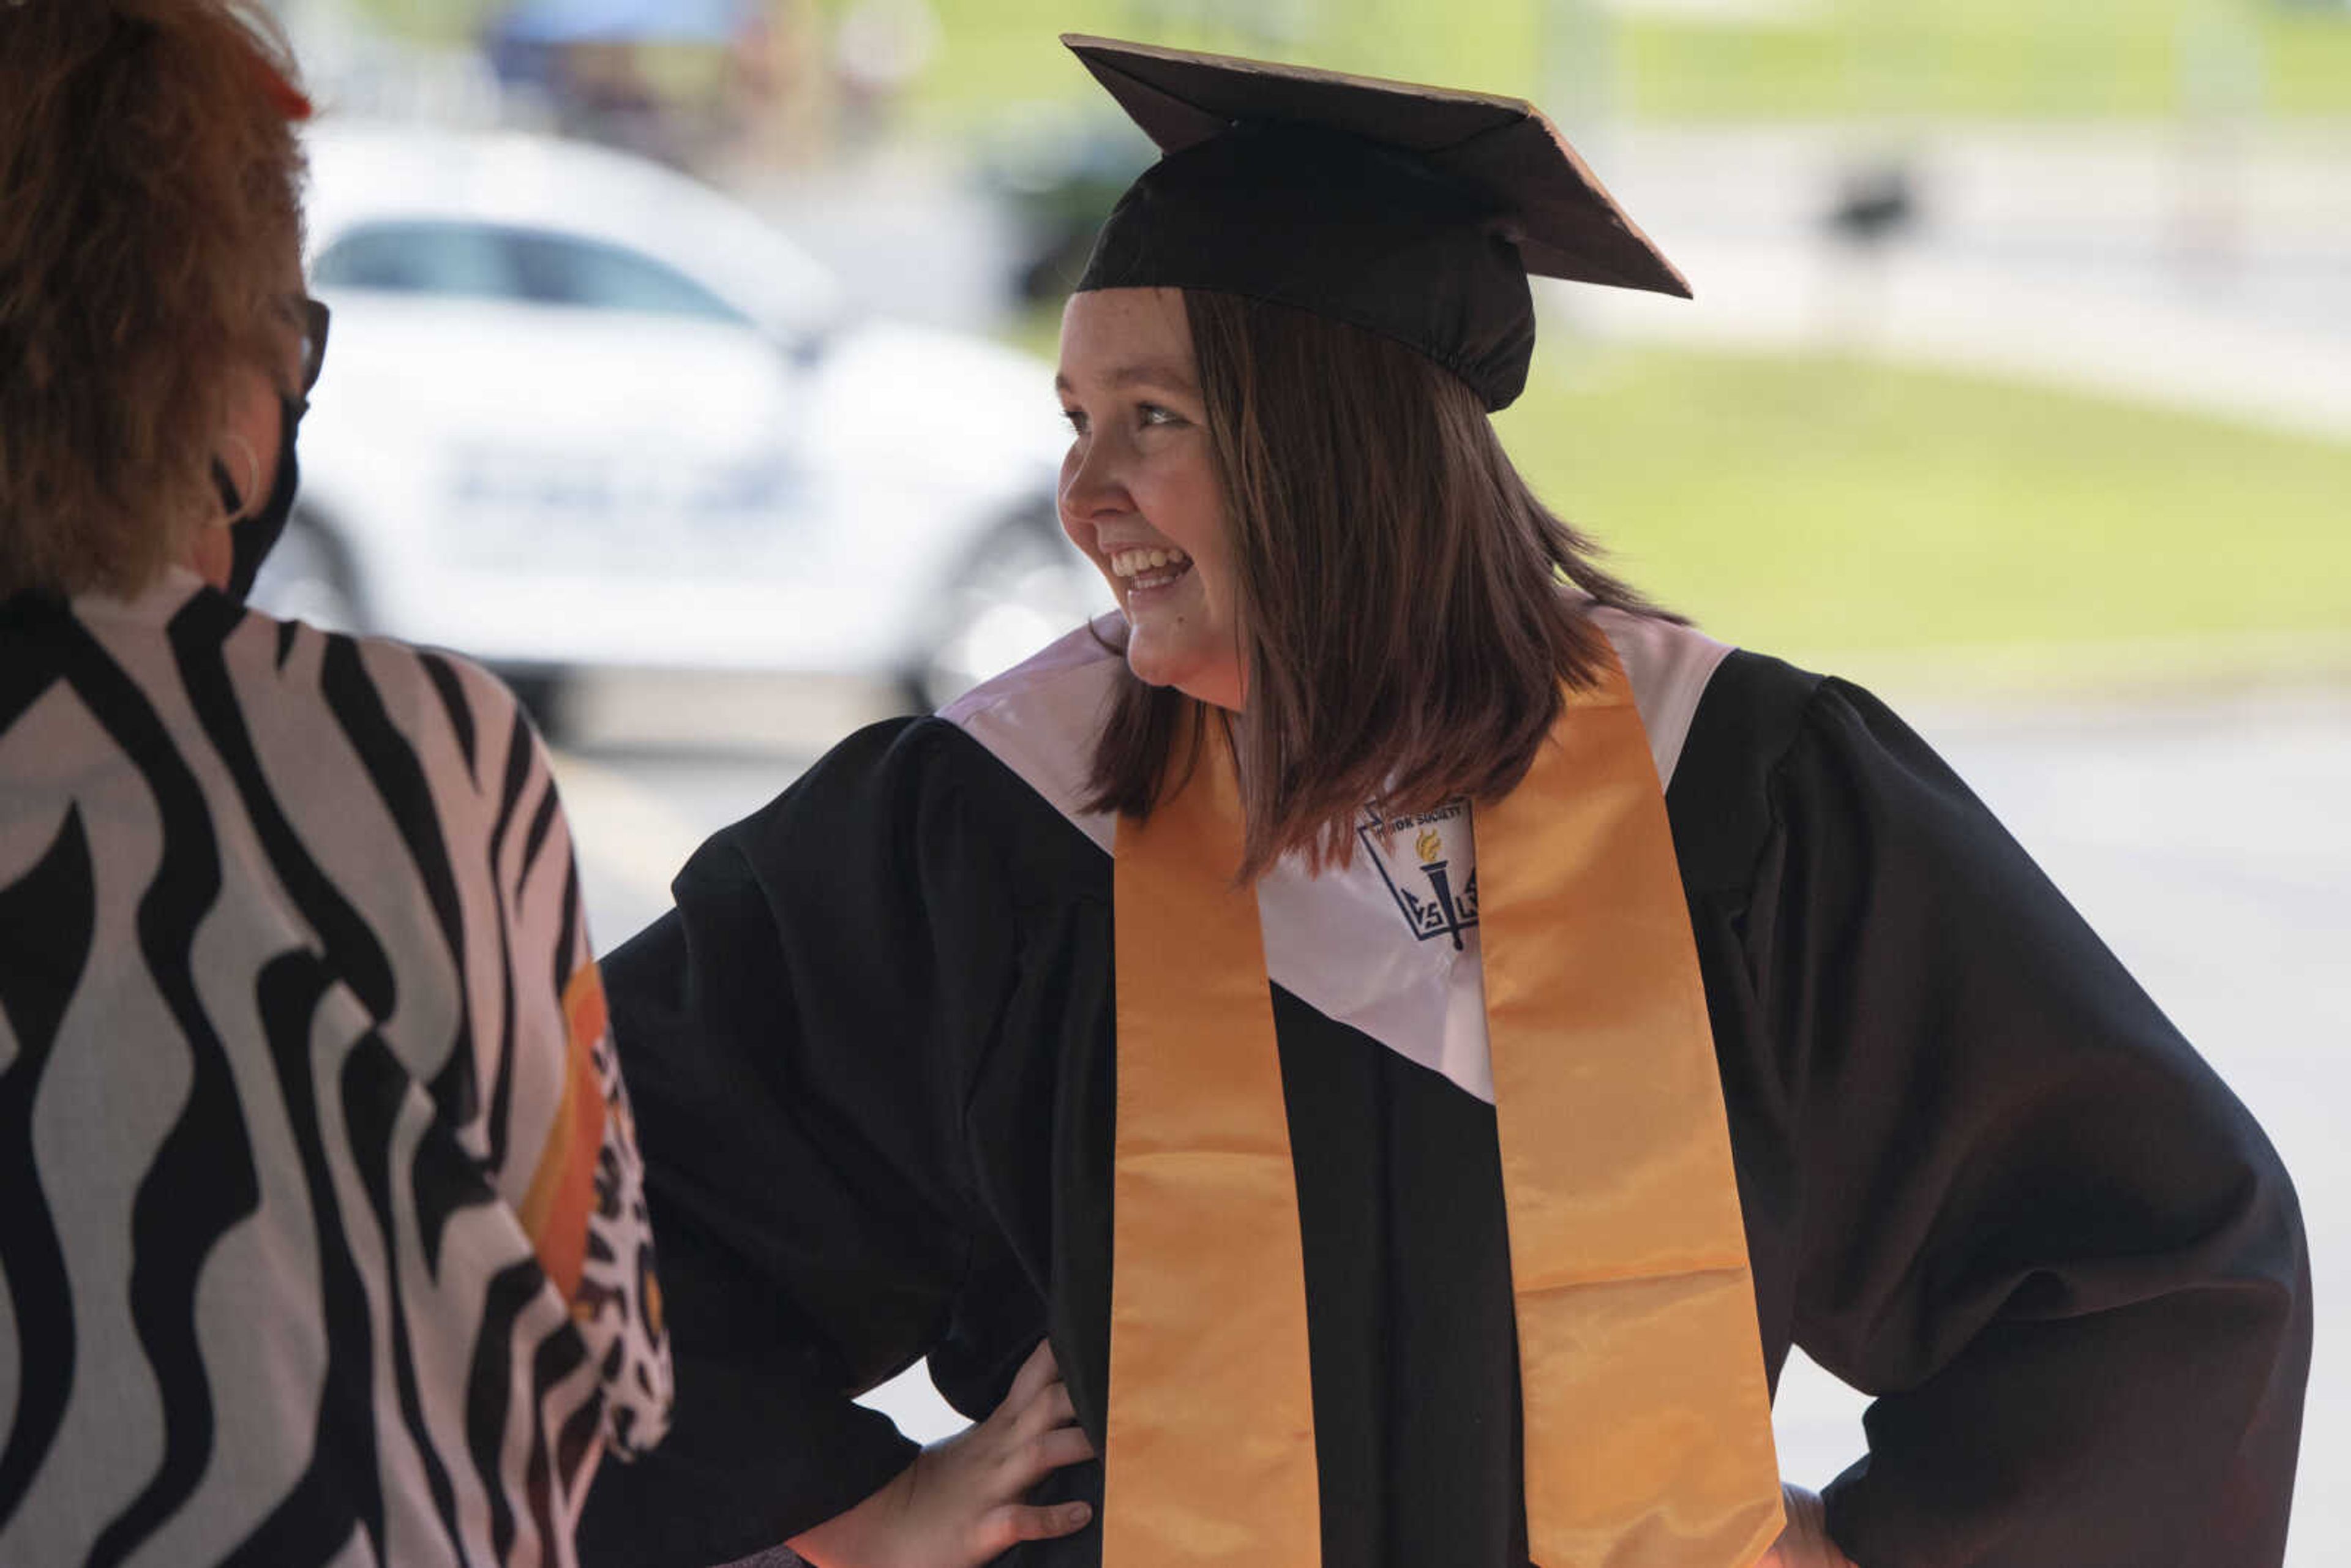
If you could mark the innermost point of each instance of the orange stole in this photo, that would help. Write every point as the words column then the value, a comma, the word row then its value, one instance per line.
column 1648, row 1431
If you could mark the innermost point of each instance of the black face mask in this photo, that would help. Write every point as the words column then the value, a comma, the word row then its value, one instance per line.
column 251, row 538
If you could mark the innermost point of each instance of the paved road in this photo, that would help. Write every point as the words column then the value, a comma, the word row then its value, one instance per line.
column 2206, row 841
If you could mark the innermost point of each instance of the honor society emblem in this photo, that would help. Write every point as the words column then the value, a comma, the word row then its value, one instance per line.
column 1428, row 864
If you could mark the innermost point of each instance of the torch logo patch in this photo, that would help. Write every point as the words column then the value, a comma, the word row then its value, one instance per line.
column 1429, row 864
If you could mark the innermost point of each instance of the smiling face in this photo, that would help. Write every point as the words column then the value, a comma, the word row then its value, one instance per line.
column 1139, row 492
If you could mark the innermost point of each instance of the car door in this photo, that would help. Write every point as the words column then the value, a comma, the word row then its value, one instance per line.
column 552, row 449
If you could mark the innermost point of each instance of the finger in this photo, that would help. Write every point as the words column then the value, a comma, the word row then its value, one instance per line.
column 1032, row 1462
column 1035, row 1373
column 1049, row 1409
column 1002, row 1528
column 1066, row 1446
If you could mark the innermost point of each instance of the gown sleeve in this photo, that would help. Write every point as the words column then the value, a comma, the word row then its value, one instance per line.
column 790, row 1032
column 2035, row 1226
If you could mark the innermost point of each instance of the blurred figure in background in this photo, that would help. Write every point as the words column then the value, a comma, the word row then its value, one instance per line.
column 320, row 1210
column 881, row 46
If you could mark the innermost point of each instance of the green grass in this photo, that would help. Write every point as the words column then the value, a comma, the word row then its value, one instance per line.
column 2002, row 59
column 1823, row 504
column 996, row 54
column 1958, row 58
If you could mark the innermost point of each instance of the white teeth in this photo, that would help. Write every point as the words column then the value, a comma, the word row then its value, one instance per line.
column 1134, row 562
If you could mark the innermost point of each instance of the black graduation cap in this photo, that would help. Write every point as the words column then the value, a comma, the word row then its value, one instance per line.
column 1415, row 212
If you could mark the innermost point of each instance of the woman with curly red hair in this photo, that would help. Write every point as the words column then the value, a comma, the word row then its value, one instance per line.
column 320, row 1209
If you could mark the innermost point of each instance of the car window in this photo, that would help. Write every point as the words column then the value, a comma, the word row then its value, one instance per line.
column 461, row 259
column 554, row 269
column 481, row 261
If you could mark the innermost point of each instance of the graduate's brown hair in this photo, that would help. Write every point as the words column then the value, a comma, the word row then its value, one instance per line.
column 1404, row 632
column 149, row 190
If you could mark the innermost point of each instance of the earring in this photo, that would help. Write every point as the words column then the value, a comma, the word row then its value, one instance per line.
column 250, row 496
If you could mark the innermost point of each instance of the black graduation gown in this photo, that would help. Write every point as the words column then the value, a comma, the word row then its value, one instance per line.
column 1983, row 1178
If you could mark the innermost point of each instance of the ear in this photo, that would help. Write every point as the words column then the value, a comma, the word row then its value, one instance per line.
column 249, row 494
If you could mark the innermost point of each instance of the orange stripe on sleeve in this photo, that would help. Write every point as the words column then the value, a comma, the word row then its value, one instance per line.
column 562, row 1190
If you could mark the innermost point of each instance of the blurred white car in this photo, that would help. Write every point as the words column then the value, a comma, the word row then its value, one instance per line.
column 581, row 411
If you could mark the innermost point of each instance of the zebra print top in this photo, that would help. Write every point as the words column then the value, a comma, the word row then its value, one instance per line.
column 321, row 1216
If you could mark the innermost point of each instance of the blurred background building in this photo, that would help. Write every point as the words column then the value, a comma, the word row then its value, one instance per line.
column 691, row 364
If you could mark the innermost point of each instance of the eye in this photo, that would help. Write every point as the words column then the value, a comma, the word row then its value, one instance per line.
column 1077, row 419
column 1155, row 413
